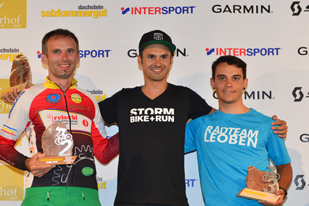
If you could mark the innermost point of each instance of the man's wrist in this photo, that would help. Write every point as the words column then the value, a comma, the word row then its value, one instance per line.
column 285, row 192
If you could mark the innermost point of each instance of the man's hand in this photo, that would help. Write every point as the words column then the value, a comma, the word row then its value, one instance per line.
column 279, row 202
column 37, row 171
column 282, row 129
column 11, row 96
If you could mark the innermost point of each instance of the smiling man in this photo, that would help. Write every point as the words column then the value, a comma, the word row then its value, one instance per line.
column 58, row 100
column 233, row 138
column 152, row 120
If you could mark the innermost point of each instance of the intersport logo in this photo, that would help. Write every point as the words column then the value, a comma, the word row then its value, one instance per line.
column 243, row 51
column 158, row 10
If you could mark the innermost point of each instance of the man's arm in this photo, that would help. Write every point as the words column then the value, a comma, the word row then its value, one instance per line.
column 281, row 129
column 110, row 151
column 10, row 155
column 286, row 173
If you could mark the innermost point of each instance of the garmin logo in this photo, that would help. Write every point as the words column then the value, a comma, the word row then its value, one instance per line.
column 253, row 95
column 302, row 51
column 132, row 53
column 241, row 9
column 304, row 138
column 258, row 95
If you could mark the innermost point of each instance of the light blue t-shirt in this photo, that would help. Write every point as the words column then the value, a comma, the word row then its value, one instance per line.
column 227, row 144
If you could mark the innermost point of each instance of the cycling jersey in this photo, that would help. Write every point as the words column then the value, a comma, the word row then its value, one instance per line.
column 43, row 104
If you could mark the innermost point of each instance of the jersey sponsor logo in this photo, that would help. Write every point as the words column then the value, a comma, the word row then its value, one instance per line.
column 13, row 14
column 151, row 115
column 49, row 117
column 76, row 98
column 241, row 9
column 231, row 135
column 244, row 51
column 87, row 171
column 85, row 123
column 53, row 98
column 94, row 11
column 158, row 10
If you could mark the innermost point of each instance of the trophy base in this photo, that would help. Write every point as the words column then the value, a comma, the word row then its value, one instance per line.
column 19, row 87
column 257, row 195
column 58, row 160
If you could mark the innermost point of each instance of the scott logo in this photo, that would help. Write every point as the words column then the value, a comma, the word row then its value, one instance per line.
column 299, row 182
column 298, row 96
column 297, row 9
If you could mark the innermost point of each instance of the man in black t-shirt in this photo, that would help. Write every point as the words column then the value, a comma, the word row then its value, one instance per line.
column 151, row 120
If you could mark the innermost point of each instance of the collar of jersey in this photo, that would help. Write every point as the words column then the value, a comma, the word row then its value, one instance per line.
column 52, row 85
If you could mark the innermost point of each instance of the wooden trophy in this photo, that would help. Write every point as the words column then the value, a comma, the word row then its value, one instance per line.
column 261, row 185
column 57, row 145
column 21, row 76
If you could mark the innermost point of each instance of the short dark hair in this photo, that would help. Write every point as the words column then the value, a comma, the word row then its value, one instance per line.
column 58, row 33
column 230, row 60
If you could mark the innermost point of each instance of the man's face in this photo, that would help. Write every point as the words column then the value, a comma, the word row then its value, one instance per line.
column 156, row 62
column 62, row 58
column 229, row 83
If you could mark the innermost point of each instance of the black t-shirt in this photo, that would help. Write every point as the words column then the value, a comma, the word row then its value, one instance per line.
column 151, row 160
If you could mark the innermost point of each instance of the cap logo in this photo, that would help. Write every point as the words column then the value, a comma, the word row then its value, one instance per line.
column 158, row 36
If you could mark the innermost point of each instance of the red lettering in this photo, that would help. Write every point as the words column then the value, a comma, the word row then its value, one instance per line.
column 157, row 10
column 150, row 10
column 230, row 49
column 235, row 52
column 243, row 51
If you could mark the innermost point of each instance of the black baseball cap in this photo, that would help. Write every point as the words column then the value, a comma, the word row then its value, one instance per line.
column 156, row 37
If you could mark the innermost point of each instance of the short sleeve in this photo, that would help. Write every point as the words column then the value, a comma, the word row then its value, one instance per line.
column 277, row 150
column 198, row 106
column 109, row 109
column 190, row 137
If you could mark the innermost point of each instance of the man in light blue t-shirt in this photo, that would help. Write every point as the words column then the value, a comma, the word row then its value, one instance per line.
column 233, row 138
